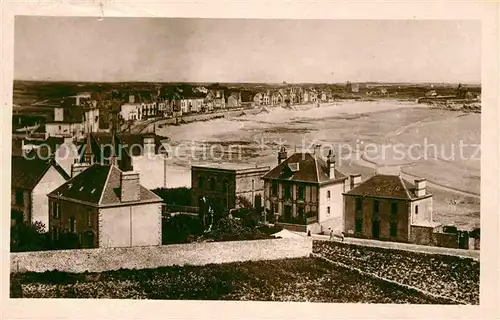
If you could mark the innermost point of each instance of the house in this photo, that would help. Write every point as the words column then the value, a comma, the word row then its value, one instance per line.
column 324, row 96
column 216, row 98
column 162, row 107
column 105, row 207
column 192, row 103
column 31, row 181
column 234, row 100
column 306, row 96
column 431, row 94
column 313, row 96
column 266, row 98
column 149, row 105
column 387, row 207
column 143, row 153
column 67, row 119
column 257, row 99
column 130, row 111
column 304, row 191
column 96, row 115
column 225, row 183
column 355, row 87
column 277, row 98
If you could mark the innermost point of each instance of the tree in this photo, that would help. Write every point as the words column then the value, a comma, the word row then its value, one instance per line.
column 28, row 237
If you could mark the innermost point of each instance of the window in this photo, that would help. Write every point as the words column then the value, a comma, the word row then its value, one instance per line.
column 275, row 188
column 376, row 207
column 394, row 229
column 301, row 193
column 328, row 194
column 212, row 184
column 359, row 204
column 275, row 208
column 288, row 192
column 72, row 224
column 89, row 218
column 19, row 197
column 225, row 186
column 201, row 180
column 416, row 209
column 56, row 210
column 359, row 224
column 376, row 211
column 328, row 210
column 302, row 212
column 394, row 210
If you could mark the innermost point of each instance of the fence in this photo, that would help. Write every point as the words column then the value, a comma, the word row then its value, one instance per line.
column 104, row 259
column 176, row 208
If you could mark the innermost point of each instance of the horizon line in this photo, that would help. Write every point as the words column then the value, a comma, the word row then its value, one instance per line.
column 251, row 82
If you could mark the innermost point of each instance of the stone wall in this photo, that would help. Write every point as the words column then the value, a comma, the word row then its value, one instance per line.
column 103, row 259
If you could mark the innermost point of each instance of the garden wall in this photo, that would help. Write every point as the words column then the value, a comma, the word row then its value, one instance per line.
column 103, row 259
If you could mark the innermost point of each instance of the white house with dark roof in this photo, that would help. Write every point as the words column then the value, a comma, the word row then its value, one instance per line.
column 105, row 207
column 31, row 181
column 305, row 190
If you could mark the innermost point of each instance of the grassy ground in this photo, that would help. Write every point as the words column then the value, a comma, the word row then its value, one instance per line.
column 452, row 277
column 299, row 280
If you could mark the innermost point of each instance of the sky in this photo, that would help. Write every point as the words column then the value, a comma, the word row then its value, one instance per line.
column 246, row 50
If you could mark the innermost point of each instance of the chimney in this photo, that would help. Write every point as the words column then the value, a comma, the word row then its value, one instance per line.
column 77, row 168
column 282, row 155
column 355, row 180
column 129, row 186
column 131, row 98
column 420, row 187
column 330, row 162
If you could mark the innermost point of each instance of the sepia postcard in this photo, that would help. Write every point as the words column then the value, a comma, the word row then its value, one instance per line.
column 266, row 160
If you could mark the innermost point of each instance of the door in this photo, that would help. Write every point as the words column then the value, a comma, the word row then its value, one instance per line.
column 258, row 201
column 376, row 229
column 88, row 239
column 288, row 213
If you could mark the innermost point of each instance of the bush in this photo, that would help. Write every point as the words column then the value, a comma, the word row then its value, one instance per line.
column 24, row 237
column 181, row 229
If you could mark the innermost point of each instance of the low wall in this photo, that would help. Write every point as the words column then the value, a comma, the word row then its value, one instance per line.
column 292, row 226
column 98, row 260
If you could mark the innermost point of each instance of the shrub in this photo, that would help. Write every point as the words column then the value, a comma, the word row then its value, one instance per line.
column 24, row 237
column 181, row 229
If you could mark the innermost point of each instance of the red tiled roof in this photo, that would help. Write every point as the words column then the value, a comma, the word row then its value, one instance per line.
column 310, row 169
column 99, row 185
column 386, row 186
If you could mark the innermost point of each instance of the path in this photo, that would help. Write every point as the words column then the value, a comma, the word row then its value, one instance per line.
column 473, row 254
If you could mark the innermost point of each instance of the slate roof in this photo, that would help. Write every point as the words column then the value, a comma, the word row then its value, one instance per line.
column 99, row 185
column 46, row 147
column 311, row 169
column 386, row 186
column 25, row 173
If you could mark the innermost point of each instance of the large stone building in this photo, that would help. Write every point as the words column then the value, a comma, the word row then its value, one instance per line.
column 305, row 190
column 31, row 180
column 225, row 183
column 105, row 207
column 387, row 207
column 68, row 116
